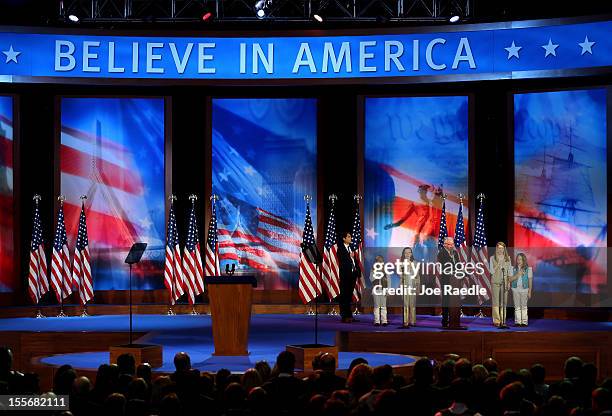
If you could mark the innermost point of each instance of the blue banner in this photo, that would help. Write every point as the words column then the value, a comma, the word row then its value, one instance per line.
column 479, row 51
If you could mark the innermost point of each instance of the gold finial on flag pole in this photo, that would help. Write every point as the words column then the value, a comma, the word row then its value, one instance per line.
column 307, row 197
column 481, row 196
column 61, row 199
column 357, row 197
column 193, row 198
column 36, row 198
column 172, row 198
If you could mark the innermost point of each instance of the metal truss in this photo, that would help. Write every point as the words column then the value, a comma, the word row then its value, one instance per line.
column 276, row 10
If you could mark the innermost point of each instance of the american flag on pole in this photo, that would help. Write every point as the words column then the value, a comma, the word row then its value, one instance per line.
column 460, row 240
column 192, row 261
column 356, row 249
column 37, row 277
column 212, row 242
column 60, row 260
column 330, row 274
column 443, row 232
column 308, row 284
column 81, row 268
column 480, row 253
column 174, row 278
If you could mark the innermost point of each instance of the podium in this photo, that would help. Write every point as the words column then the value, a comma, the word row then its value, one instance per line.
column 230, row 300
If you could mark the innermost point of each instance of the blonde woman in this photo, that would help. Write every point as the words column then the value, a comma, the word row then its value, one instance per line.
column 521, row 283
column 380, row 300
column 409, row 278
column 501, row 270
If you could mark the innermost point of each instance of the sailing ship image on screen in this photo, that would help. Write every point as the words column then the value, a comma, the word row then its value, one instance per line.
column 560, row 188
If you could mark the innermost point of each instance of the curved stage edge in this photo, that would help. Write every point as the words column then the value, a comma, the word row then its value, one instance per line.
column 42, row 345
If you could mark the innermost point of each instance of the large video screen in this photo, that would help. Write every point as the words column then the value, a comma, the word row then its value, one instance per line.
column 416, row 149
column 112, row 150
column 8, row 279
column 263, row 163
column 560, row 211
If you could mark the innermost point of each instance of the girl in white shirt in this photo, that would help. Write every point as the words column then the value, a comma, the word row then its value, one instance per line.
column 521, row 283
column 380, row 301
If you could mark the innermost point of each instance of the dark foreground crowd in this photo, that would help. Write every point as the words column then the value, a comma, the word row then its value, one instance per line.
column 453, row 387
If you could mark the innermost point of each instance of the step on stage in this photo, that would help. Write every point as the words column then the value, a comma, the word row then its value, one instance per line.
column 42, row 345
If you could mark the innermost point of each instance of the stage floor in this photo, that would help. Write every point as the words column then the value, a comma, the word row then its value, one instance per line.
column 290, row 325
column 269, row 335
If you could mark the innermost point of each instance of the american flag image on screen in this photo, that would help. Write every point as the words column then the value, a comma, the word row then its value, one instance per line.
column 263, row 163
column 8, row 278
column 112, row 150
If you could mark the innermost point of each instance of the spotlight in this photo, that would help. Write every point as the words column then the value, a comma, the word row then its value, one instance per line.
column 454, row 18
column 73, row 18
column 261, row 8
column 206, row 16
column 317, row 17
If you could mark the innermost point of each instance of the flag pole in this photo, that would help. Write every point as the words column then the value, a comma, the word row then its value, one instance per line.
column 213, row 201
column 357, row 198
column 61, row 314
column 334, row 310
column 443, row 212
column 84, row 311
column 171, row 312
column 193, row 198
column 479, row 314
column 39, row 314
column 460, row 196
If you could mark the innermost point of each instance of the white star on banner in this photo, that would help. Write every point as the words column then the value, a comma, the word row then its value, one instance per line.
column 513, row 50
column 249, row 170
column 550, row 48
column 223, row 175
column 370, row 232
column 145, row 223
column 11, row 55
column 586, row 46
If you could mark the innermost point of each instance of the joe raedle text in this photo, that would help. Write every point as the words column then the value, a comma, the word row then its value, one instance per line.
column 447, row 290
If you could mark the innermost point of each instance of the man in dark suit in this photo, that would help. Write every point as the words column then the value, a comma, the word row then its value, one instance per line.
column 451, row 308
column 349, row 272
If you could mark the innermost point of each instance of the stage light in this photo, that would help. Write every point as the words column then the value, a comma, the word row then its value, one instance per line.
column 261, row 8
column 73, row 18
column 317, row 17
column 454, row 18
column 206, row 16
